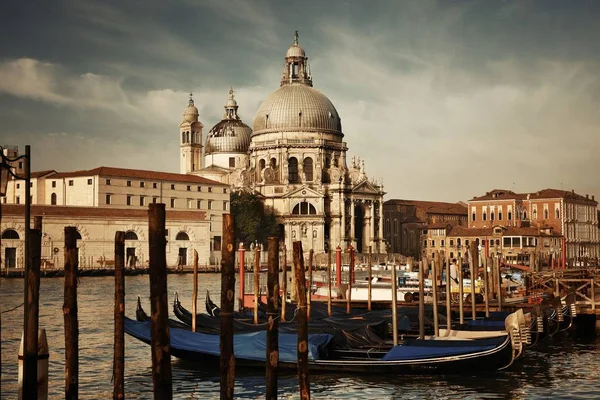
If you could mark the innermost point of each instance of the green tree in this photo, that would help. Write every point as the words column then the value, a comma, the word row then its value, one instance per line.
column 252, row 219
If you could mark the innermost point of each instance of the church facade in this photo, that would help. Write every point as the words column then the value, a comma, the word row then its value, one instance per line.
column 295, row 158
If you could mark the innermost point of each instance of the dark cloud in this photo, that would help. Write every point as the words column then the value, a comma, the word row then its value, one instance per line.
column 443, row 99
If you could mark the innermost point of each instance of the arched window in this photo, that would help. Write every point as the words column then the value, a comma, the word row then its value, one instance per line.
column 53, row 199
column 308, row 168
column 187, row 137
column 182, row 137
column 261, row 164
column 273, row 163
column 293, row 170
column 10, row 234
column 131, row 235
column 304, row 208
column 182, row 236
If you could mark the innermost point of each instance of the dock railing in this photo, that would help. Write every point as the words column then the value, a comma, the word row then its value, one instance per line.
column 584, row 283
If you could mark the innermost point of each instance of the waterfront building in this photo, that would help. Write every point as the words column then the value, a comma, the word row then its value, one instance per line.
column 559, row 212
column 516, row 245
column 405, row 221
column 103, row 200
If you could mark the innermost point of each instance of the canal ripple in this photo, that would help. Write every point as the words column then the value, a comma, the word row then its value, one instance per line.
column 561, row 368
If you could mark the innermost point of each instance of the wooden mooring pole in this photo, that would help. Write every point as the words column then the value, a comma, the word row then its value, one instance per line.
column 394, row 304
column 461, row 294
column 369, row 284
column 119, row 341
column 474, row 264
column 434, row 288
column 30, row 353
column 304, row 385
column 310, row 282
column 329, row 282
column 256, row 282
column 159, row 323
column 486, row 286
column 195, row 292
column 272, row 318
column 284, row 281
column 227, row 361
column 422, row 265
column 70, row 316
column 448, row 296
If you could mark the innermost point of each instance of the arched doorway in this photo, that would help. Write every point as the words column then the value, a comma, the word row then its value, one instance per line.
column 182, row 255
column 130, row 256
column 10, row 248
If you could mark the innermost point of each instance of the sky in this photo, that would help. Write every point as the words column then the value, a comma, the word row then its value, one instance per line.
column 444, row 100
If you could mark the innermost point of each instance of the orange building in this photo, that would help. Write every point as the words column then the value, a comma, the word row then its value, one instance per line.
column 552, row 211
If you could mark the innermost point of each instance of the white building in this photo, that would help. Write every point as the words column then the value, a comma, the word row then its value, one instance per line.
column 103, row 200
column 296, row 159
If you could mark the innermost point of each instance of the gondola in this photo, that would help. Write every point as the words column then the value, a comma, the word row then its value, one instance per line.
column 357, row 331
column 141, row 316
column 413, row 356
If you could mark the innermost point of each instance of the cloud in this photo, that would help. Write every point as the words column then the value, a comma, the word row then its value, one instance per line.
column 444, row 100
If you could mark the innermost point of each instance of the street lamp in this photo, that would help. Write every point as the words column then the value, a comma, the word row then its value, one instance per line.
column 6, row 171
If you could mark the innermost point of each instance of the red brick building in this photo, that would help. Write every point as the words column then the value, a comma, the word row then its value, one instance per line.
column 404, row 221
column 551, row 211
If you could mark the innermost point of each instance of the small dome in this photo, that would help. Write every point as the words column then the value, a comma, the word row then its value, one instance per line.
column 297, row 107
column 190, row 114
column 230, row 135
column 295, row 51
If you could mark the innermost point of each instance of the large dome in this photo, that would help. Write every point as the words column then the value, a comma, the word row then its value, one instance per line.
column 297, row 107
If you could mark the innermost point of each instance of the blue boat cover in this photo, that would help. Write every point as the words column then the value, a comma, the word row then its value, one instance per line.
column 413, row 352
column 486, row 322
column 247, row 346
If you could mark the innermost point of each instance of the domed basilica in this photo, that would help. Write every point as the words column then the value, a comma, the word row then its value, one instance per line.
column 295, row 158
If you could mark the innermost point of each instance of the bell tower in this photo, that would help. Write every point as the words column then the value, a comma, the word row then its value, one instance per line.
column 190, row 140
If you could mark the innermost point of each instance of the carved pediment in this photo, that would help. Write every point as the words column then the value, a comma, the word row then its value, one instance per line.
column 304, row 192
column 365, row 187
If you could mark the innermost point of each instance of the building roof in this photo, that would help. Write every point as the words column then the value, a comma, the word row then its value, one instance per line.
column 98, row 212
column 432, row 207
column 501, row 194
column 559, row 194
column 137, row 174
column 38, row 174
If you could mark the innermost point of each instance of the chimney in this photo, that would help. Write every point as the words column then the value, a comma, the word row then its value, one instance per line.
column 593, row 198
column 573, row 191
column 587, row 196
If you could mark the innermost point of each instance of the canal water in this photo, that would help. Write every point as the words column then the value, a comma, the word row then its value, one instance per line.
column 560, row 368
